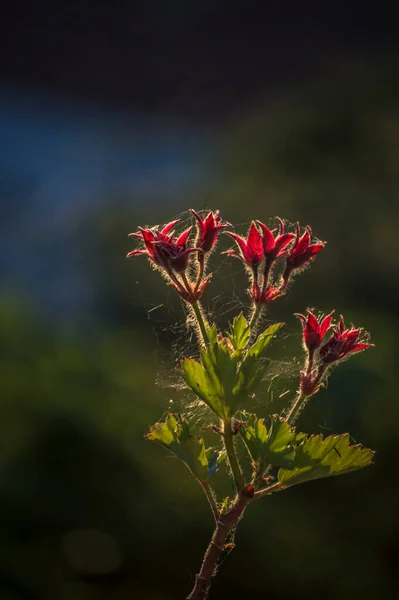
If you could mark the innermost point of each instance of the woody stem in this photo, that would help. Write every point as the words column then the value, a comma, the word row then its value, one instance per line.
column 224, row 525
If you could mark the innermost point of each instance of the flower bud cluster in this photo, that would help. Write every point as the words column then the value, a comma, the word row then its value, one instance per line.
column 342, row 343
column 260, row 251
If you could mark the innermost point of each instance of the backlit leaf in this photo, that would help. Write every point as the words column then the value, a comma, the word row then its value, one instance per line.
column 174, row 434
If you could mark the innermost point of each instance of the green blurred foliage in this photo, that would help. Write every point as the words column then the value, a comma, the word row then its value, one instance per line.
column 89, row 510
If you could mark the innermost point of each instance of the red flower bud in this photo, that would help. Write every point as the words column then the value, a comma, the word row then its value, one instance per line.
column 165, row 250
column 309, row 384
column 250, row 250
column 314, row 329
column 342, row 343
column 275, row 246
column 270, row 294
column 302, row 251
column 208, row 230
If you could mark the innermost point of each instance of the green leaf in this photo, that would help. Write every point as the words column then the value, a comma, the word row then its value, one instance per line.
column 239, row 332
column 227, row 374
column 268, row 447
column 205, row 383
column 174, row 434
column 263, row 341
column 212, row 333
column 318, row 457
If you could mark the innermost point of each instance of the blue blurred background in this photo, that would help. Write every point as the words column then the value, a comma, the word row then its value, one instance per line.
column 113, row 117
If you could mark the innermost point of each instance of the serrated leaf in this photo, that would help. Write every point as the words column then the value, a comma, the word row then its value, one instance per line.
column 204, row 382
column 212, row 334
column 225, row 376
column 268, row 447
column 318, row 457
column 263, row 340
column 239, row 332
column 174, row 434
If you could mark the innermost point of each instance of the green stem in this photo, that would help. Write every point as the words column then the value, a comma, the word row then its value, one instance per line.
column 296, row 407
column 228, row 439
column 201, row 321
column 276, row 487
column 211, row 499
column 255, row 315
column 201, row 270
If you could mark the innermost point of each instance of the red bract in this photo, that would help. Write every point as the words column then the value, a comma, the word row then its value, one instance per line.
column 208, row 230
column 275, row 246
column 302, row 250
column 251, row 249
column 266, row 296
column 309, row 384
column 165, row 250
column 341, row 343
column 314, row 328
column 191, row 292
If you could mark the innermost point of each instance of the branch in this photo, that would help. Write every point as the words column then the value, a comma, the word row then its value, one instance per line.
column 224, row 525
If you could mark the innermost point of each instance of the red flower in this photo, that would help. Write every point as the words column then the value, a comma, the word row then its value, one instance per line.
column 341, row 343
column 208, row 230
column 165, row 250
column 314, row 329
column 302, row 250
column 251, row 249
column 274, row 247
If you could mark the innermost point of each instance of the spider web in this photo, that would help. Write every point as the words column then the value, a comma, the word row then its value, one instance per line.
column 175, row 338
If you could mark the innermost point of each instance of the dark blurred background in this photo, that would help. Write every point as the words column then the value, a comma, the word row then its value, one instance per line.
column 114, row 115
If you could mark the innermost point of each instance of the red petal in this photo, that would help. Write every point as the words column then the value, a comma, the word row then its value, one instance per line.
column 281, row 226
column 181, row 241
column 302, row 317
column 135, row 252
column 169, row 226
column 147, row 235
column 254, row 243
column 303, row 244
column 315, row 249
column 361, row 346
column 282, row 241
column 199, row 220
column 268, row 238
column 351, row 335
column 312, row 322
column 210, row 221
column 232, row 253
column 240, row 242
column 326, row 324
column 138, row 235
